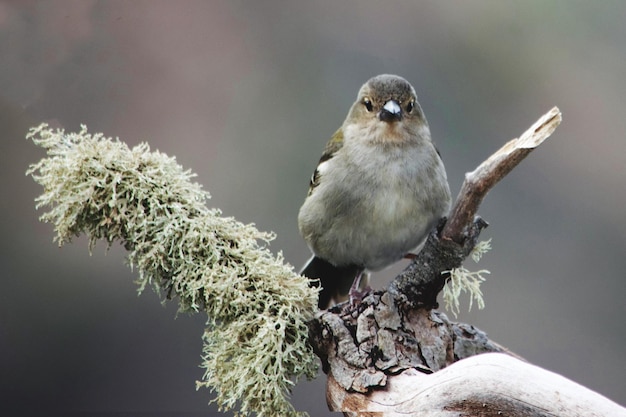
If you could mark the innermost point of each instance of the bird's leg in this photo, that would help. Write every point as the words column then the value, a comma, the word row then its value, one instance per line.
column 355, row 293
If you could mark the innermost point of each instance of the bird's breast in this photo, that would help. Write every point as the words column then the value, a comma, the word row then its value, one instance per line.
column 371, row 209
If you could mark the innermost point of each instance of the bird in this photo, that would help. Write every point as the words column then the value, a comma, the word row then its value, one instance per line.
column 379, row 188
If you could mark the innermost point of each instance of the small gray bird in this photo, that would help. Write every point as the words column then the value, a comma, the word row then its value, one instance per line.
column 379, row 188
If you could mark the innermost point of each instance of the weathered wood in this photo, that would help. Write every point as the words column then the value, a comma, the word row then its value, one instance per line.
column 478, row 182
column 485, row 385
column 361, row 346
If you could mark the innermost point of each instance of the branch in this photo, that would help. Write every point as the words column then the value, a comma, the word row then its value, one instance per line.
column 484, row 385
column 478, row 182
column 420, row 283
column 256, row 339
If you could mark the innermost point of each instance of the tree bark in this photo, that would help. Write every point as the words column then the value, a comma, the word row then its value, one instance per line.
column 393, row 354
column 486, row 385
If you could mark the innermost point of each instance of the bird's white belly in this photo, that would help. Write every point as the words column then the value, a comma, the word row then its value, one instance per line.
column 394, row 228
column 375, row 221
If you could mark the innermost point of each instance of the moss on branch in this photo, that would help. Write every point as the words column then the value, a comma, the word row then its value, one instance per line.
column 255, row 344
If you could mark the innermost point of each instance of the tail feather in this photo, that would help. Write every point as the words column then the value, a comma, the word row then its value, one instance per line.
column 335, row 281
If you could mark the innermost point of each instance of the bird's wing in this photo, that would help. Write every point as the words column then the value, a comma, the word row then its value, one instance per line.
column 332, row 147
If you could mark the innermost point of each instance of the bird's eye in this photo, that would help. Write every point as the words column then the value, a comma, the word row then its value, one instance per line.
column 409, row 107
column 368, row 104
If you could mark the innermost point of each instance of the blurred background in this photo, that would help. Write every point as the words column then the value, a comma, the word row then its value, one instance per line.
column 246, row 94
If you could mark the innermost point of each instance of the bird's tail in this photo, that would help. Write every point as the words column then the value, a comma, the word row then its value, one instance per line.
column 335, row 281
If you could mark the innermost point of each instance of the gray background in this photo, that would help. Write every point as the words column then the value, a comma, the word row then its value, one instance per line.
column 246, row 94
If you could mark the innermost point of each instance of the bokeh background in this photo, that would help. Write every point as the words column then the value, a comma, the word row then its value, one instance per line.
column 245, row 94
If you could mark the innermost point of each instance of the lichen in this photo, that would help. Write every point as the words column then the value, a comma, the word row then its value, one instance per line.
column 462, row 280
column 480, row 249
column 256, row 340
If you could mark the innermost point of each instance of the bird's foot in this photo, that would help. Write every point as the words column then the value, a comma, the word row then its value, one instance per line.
column 357, row 295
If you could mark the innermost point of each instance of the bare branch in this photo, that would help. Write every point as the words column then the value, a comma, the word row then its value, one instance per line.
column 478, row 182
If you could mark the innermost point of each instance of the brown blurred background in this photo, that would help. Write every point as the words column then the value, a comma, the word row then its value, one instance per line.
column 245, row 94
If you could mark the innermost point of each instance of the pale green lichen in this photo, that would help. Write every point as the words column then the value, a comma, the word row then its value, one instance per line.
column 480, row 249
column 256, row 340
column 462, row 280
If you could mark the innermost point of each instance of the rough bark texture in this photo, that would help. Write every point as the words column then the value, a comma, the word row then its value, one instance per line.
column 493, row 385
column 420, row 283
column 361, row 347
column 393, row 354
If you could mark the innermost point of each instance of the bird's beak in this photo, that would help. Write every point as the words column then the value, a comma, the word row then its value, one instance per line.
column 391, row 112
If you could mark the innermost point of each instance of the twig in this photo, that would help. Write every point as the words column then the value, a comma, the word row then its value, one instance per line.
column 420, row 283
column 478, row 182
